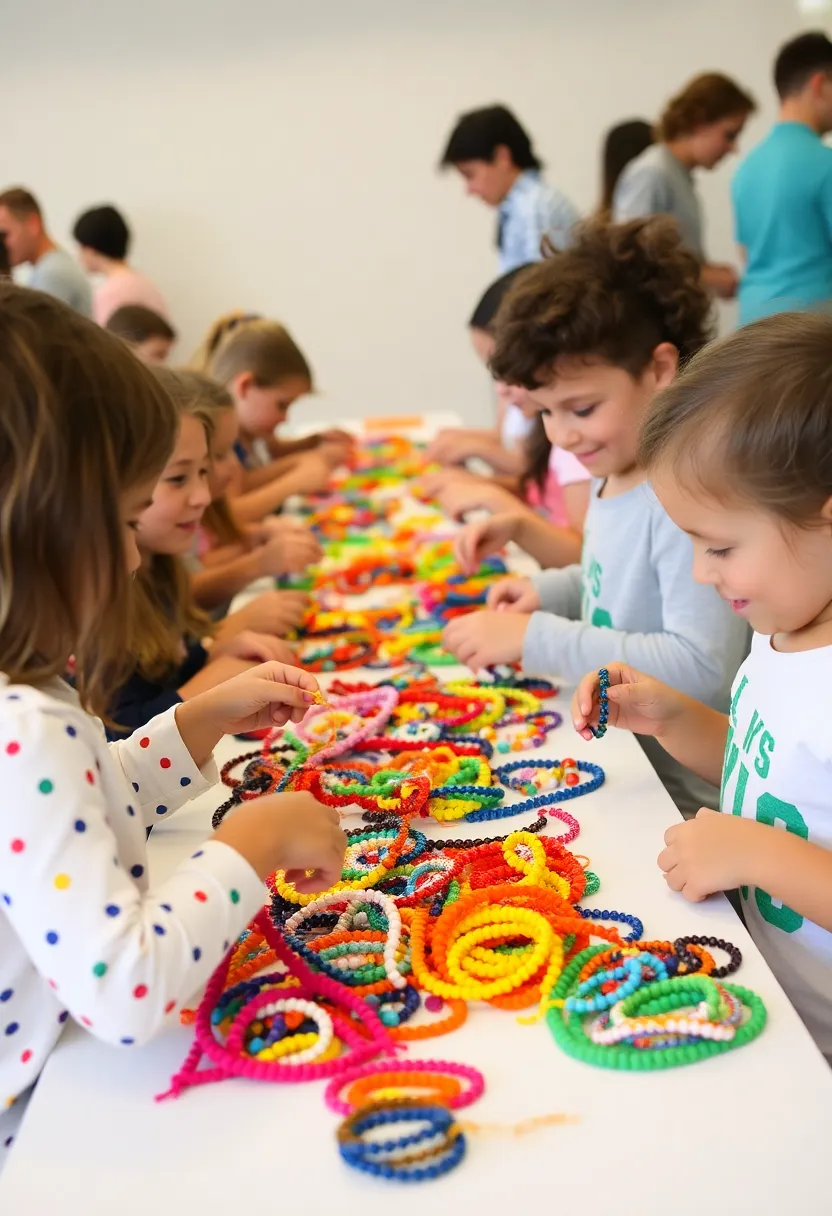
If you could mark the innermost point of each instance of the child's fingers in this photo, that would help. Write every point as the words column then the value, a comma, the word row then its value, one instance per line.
column 583, row 701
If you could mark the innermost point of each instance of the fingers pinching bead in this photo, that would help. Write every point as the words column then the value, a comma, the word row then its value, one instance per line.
column 604, row 711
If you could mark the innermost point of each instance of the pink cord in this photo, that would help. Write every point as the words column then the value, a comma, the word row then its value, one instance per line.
column 475, row 1079
column 383, row 700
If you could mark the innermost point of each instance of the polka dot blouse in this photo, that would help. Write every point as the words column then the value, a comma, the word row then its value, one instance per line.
column 83, row 934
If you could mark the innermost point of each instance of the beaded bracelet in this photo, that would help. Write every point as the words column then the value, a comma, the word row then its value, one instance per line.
column 604, row 706
column 435, row 1148
column 407, row 1074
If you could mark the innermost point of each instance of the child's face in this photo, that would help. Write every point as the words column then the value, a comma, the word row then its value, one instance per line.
column 594, row 410
column 714, row 141
column 262, row 409
column 774, row 574
column 153, row 350
column 133, row 505
column 181, row 495
column 489, row 180
column 223, row 457
column 483, row 344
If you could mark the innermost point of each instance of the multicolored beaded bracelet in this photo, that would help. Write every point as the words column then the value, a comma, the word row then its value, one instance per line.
column 603, row 702
column 406, row 1074
column 434, row 1148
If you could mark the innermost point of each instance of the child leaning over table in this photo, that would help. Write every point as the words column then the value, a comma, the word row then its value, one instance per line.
column 740, row 456
column 85, row 931
column 593, row 333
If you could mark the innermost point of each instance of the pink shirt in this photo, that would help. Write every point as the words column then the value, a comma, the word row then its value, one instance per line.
column 564, row 470
column 126, row 286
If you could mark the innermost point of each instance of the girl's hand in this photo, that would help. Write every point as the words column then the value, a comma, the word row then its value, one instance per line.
column 636, row 702
column 451, row 446
column 484, row 537
column 288, row 552
column 312, row 474
column 290, row 832
column 465, row 494
column 514, row 595
column 272, row 612
column 275, row 525
column 431, row 485
column 712, row 852
column 254, row 647
column 482, row 639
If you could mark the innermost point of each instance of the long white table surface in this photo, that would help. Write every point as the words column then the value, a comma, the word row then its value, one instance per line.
column 745, row 1131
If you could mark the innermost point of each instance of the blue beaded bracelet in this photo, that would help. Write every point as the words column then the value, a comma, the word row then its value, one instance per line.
column 597, row 778
column 378, row 1157
column 604, row 705
column 622, row 918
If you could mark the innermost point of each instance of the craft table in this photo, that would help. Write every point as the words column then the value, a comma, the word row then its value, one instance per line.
column 745, row 1132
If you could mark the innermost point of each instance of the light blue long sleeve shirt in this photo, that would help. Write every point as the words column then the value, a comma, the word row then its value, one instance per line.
column 531, row 210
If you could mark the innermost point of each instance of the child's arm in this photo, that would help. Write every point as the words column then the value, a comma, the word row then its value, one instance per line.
column 219, row 582
column 311, row 475
column 456, row 445
column 253, row 479
column 547, row 544
column 289, row 551
column 716, row 852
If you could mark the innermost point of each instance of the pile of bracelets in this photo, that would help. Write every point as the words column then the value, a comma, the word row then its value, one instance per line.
column 424, row 923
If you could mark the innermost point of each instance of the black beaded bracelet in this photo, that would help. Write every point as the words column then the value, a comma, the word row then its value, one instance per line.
column 604, row 706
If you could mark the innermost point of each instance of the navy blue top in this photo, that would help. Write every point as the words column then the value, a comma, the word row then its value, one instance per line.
column 140, row 699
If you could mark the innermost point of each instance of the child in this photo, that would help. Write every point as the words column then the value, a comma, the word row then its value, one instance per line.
column 593, row 334
column 622, row 143
column 495, row 157
column 104, row 239
column 738, row 452
column 84, row 433
column 149, row 336
column 265, row 372
column 230, row 557
column 168, row 632
column 513, row 447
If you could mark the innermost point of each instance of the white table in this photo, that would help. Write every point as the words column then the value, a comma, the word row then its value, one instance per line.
column 745, row 1132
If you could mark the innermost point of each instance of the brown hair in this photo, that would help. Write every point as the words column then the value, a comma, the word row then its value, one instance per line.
column 20, row 202
column 81, row 422
column 215, row 400
column 241, row 342
column 615, row 294
column 705, row 99
column 751, row 417
column 537, row 451
column 165, row 609
column 135, row 323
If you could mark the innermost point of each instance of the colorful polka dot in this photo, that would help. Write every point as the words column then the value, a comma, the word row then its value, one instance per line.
column 90, row 775
column 7, row 994
column 130, row 811
column 127, row 1042
column 18, row 846
column 201, row 896
column 166, row 907
column 46, row 786
column 161, row 810
column 137, row 870
column 12, row 748
column 164, row 762
column 112, row 909
column 140, row 991
column 13, row 696
column 52, row 984
column 183, row 781
column 71, row 731
column 62, row 1017
column 7, row 900
column 80, row 826
column 99, row 969
column 8, row 1142
column 145, row 742
column 198, row 853
column 136, row 790
column 235, row 896
column 62, row 881
column 160, row 930
column 11, row 1101
column 52, row 937
column 197, row 954
column 169, row 1008
column 85, row 1022
column 12, row 1028
column 25, row 1057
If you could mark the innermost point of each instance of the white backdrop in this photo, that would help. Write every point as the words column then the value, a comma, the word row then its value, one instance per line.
column 280, row 156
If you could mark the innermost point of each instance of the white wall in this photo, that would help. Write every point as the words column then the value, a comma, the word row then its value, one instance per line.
column 280, row 157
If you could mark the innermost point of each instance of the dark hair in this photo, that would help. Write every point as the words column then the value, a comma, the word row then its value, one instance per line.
column 751, row 417
column 537, row 450
column 20, row 202
column 105, row 231
column 5, row 263
column 479, row 133
column 617, row 293
column 135, row 323
column 485, row 313
column 705, row 99
column 82, row 422
column 622, row 143
column 799, row 60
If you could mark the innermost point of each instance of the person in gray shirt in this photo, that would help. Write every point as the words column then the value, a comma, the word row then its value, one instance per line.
column 697, row 130
column 26, row 239
column 592, row 334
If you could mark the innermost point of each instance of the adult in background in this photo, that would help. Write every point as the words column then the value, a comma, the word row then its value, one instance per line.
column 698, row 129
column 494, row 155
column 24, row 233
column 103, row 241
column 622, row 144
column 782, row 191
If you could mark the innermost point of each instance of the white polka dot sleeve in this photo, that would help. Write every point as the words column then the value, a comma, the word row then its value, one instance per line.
column 121, row 956
column 158, row 767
